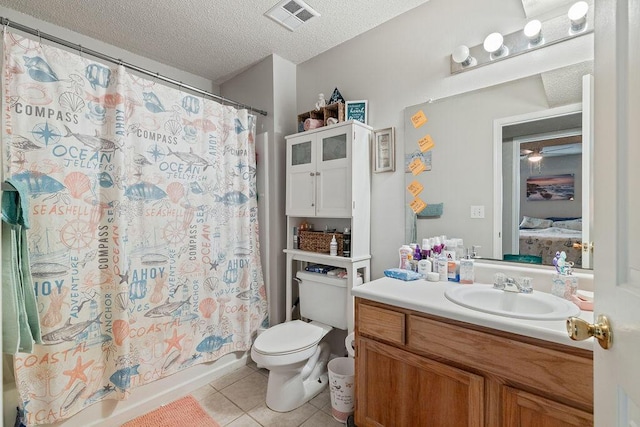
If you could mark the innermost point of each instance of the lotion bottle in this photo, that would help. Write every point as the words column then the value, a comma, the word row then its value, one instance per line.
column 333, row 246
column 443, row 267
column 424, row 267
column 404, row 252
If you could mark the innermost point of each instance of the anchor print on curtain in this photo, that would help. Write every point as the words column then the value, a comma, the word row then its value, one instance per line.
column 144, row 234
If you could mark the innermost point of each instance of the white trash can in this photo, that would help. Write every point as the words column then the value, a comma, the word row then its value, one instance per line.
column 342, row 387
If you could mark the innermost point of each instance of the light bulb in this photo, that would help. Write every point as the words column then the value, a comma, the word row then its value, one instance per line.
column 495, row 46
column 461, row 56
column 533, row 31
column 578, row 16
column 535, row 157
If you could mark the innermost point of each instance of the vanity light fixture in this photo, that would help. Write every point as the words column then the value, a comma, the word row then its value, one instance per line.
column 462, row 56
column 535, row 157
column 578, row 16
column 533, row 32
column 494, row 44
column 536, row 34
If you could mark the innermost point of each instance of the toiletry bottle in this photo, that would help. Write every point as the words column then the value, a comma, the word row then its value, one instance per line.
column 424, row 267
column 426, row 250
column 459, row 248
column 442, row 267
column 453, row 273
column 404, row 252
column 416, row 257
column 346, row 243
column 333, row 246
column 437, row 246
column 295, row 237
column 466, row 270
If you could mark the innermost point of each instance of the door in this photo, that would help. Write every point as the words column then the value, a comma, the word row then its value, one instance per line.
column 522, row 409
column 587, row 170
column 301, row 171
column 333, row 172
column 398, row 388
column 617, row 201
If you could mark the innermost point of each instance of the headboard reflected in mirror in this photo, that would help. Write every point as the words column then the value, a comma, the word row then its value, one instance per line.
column 466, row 171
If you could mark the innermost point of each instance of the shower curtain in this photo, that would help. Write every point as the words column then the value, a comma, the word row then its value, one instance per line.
column 144, row 234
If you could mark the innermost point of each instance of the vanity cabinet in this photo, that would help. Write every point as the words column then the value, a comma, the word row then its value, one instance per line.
column 414, row 369
column 328, row 171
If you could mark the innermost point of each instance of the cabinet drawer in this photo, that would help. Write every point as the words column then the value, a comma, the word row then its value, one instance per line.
column 381, row 323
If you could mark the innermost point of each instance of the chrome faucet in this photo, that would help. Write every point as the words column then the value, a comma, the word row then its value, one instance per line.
column 521, row 285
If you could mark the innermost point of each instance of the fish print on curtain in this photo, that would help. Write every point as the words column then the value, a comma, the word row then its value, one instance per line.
column 144, row 234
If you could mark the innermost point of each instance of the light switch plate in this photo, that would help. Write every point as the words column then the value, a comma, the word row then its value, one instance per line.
column 477, row 211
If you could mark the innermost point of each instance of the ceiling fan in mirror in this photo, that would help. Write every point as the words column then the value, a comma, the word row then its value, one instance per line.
column 534, row 152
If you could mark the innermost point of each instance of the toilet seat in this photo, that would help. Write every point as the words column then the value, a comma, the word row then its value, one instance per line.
column 288, row 338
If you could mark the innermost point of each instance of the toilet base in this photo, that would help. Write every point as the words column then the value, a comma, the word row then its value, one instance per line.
column 288, row 389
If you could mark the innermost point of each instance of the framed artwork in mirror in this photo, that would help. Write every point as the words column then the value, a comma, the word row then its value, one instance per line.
column 551, row 187
column 384, row 147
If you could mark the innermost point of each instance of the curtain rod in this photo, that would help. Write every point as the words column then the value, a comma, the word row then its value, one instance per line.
column 5, row 22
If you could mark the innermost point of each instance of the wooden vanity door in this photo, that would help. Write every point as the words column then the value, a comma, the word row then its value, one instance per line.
column 522, row 409
column 397, row 388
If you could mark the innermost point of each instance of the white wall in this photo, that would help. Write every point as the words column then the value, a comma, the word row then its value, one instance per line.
column 270, row 85
column 404, row 62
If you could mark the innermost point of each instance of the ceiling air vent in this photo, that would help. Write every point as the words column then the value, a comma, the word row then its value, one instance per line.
column 291, row 14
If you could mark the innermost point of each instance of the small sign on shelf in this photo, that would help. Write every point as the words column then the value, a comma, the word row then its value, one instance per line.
column 356, row 110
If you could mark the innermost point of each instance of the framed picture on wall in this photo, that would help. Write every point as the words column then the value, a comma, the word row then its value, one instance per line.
column 550, row 187
column 384, row 148
column 356, row 110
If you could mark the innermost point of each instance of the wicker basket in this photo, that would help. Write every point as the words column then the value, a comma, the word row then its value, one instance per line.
column 318, row 241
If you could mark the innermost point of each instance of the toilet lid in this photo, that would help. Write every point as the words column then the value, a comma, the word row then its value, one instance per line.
column 289, row 337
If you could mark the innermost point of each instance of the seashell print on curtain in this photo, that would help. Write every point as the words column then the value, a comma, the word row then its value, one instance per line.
column 144, row 233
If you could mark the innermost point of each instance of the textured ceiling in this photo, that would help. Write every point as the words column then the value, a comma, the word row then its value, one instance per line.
column 537, row 8
column 212, row 39
column 564, row 85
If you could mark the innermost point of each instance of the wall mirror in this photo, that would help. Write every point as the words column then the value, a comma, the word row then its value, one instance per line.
column 481, row 166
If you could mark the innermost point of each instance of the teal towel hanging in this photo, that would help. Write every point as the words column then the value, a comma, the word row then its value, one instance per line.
column 431, row 210
column 21, row 323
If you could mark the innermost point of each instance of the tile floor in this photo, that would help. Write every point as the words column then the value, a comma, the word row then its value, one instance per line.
column 238, row 400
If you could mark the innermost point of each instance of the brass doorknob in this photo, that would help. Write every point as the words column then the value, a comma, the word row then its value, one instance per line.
column 579, row 330
column 585, row 247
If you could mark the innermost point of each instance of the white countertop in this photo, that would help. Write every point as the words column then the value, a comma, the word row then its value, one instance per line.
column 429, row 298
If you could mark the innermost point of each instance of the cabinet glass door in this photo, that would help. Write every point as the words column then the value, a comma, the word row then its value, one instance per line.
column 301, row 172
column 333, row 176
column 301, row 153
column 334, row 147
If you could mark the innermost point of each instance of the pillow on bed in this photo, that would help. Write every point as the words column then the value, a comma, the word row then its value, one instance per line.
column 574, row 224
column 530, row 222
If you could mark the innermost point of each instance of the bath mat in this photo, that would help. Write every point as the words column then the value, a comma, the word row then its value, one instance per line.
column 183, row 412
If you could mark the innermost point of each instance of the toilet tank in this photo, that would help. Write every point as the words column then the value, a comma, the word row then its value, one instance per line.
column 324, row 298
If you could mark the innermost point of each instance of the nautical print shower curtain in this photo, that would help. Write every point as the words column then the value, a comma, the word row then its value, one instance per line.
column 144, row 234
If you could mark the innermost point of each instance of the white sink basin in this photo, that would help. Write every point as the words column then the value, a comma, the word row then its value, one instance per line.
column 534, row 306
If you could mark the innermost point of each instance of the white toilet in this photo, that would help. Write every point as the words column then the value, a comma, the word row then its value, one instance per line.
column 293, row 352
